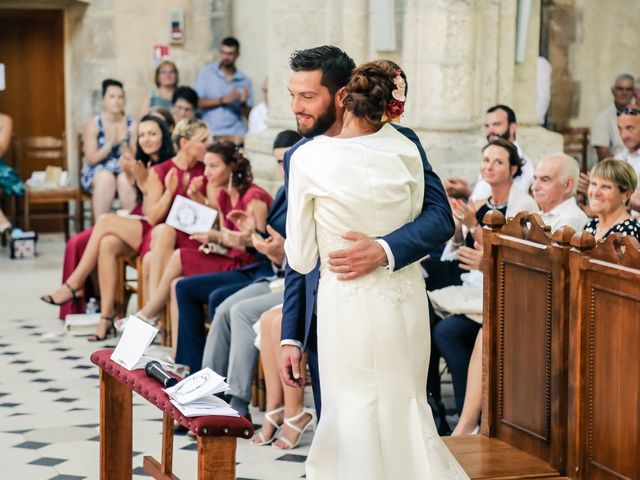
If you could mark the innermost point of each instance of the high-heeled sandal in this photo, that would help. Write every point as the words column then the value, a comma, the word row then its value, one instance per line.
column 110, row 332
column 121, row 323
column 289, row 422
column 268, row 416
column 76, row 295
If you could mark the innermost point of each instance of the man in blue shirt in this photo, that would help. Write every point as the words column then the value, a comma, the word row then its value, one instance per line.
column 225, row 92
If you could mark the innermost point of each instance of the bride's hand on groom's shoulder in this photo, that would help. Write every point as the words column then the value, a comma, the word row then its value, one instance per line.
column 364, row 256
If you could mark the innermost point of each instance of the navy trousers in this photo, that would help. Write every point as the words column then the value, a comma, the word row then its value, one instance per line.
column 455, row 337
column 191, row 294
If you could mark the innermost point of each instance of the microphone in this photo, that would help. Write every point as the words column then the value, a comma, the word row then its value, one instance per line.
column 153, row 369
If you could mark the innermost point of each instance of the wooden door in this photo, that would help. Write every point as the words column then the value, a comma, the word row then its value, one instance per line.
column 32, row 50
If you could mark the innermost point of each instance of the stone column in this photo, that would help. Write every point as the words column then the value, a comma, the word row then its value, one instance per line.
column 291, row 25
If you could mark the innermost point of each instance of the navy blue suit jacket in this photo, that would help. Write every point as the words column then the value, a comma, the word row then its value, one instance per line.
column 277, row 218
column 433, row 227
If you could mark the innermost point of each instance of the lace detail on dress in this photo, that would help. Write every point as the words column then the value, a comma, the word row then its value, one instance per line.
column 433, row 441
column 391, row 286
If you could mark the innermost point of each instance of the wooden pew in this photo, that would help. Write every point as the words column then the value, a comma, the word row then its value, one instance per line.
column 604, row 373
column 525, row 353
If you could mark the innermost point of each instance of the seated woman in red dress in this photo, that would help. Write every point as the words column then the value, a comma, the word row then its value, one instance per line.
column 115, row 236
column 226, row 168
column 153, row 146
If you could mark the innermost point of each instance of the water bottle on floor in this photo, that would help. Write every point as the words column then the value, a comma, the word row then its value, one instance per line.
column 92, row 306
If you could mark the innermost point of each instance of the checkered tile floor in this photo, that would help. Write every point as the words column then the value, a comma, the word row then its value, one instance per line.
column 49, row 395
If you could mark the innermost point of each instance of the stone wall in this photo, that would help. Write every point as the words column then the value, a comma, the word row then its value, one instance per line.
column 115, row 38
column 589, row 43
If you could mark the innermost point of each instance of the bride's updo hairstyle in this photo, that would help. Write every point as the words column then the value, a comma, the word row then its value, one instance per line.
column 376, row 92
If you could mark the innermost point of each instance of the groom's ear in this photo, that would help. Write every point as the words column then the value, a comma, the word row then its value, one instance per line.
column 341, row 94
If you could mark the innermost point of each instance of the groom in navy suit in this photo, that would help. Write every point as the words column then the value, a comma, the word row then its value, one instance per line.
column 316, row 86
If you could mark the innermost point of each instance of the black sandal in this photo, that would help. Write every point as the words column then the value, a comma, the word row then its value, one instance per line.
column 74, row 297
column 110, row 332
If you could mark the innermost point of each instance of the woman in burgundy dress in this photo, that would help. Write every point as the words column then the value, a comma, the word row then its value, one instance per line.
column 115, row 236
column 153, row 147
column 229, row 170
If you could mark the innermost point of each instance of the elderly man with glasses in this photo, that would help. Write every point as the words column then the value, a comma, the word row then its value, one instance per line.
column 604, row 132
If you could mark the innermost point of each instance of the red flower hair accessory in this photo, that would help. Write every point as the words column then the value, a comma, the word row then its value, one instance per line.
column 395, row 106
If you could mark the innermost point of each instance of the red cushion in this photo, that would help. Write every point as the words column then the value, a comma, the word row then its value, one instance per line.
column 153, row 392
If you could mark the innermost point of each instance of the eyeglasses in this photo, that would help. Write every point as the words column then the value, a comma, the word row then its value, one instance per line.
column 629, row 111
column 624, row 89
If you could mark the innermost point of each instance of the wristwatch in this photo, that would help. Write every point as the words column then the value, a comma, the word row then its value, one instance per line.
column 473, row 229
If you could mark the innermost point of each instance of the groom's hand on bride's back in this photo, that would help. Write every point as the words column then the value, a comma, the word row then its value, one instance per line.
column 290, row 358
column 364, row 256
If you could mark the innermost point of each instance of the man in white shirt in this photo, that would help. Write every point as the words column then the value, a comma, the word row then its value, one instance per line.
column 554, row 188
column 259, row 113
column 500, row 122
column 604, row 131
column 629, row 128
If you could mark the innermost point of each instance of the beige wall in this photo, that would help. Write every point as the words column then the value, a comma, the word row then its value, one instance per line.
column 115, row 38
column 607, row 43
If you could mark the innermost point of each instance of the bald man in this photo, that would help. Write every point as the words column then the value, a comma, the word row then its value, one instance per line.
column 554, row 186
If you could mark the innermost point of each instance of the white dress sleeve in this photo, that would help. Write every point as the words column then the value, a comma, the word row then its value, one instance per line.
column 301, row 247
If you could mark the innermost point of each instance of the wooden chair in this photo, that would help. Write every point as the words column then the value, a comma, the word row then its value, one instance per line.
column 84, row 196
column 576, row 144
column 42, row 151
column 127, row 286
column 604, row 425
column 526, row 295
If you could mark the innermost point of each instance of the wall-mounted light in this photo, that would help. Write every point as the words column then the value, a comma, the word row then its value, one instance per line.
column 177, row 26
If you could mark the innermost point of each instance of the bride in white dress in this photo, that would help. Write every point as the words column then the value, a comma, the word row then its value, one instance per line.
column 373, row 332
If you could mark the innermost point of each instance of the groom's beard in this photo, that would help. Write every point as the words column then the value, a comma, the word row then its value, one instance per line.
column 504, row 136
column 321, row 125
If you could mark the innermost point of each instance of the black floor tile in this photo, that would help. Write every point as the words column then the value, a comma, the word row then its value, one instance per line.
column 9, row 353
column 71, row 357
column 53, row 390
column 191, row 446
column 31, row 445
column 66, row 400
column 67, row 477
column 48, row 461
column 21, row 362
column 292, row 457
column 140, row 471
column 9, row 404
column 30, row 370
column 42, row 380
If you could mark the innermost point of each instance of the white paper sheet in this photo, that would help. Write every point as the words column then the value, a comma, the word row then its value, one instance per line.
column 190, row 217
column 135, row 340
column 210, row 405
column 201, row 384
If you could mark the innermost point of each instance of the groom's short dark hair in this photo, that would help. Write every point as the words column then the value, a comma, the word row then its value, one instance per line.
column 335, row 64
